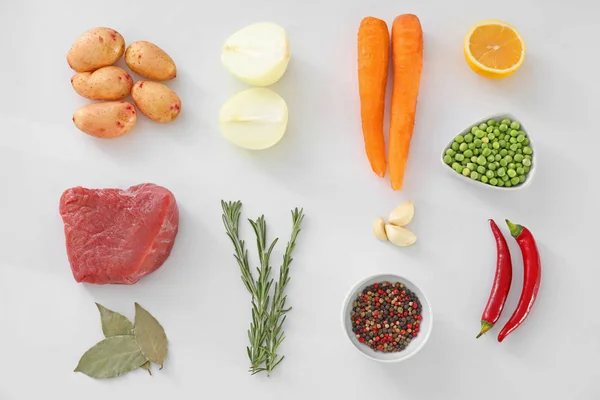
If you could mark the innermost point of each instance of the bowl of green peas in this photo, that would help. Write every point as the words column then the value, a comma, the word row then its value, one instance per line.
column 496, row 152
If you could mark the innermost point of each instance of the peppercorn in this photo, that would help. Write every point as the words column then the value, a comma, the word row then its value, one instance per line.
column 385, row 316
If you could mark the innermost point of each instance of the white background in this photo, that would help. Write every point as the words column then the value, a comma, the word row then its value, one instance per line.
column 47, row 320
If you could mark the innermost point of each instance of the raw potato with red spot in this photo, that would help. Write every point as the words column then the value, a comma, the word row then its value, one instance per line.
column 96, row 48
column 106, row 83
column 106, row 120
column 150, row 61
column 156, row 101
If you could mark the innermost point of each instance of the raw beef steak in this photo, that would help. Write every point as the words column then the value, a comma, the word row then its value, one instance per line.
column 118, row 236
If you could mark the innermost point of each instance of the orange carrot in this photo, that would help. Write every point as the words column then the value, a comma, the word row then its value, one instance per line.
column 407, row 58
column 373, row 58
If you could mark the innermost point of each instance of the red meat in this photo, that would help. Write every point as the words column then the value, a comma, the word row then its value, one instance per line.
column 118, row 236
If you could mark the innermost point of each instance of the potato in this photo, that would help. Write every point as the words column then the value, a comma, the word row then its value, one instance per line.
column 150, row 61
column 106, row 120
column 106, row 83
column 96, row 48
column 156, row 101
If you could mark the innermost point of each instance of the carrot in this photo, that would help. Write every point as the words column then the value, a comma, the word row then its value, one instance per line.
column 407, row 59
column 373, row 58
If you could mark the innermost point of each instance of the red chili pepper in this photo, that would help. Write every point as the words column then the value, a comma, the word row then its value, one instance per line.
column 532, row 269
column 502, row 281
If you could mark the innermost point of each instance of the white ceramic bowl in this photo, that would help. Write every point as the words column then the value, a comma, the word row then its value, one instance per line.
column 414, row 346
column 501, row 116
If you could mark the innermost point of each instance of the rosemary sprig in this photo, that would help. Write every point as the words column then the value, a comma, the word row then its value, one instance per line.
column 265, row 333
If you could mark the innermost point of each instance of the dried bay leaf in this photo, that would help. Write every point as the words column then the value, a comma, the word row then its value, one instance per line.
column 111, row 357
column 147, row 366
column 150, row 336
column 113, row 323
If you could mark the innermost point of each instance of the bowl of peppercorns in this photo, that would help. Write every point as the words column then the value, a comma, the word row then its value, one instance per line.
column 387, row 318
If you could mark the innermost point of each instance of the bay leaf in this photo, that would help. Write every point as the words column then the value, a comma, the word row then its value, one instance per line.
column 150, row 336
column 147, row 366
column 111, row 357
column 113, row 323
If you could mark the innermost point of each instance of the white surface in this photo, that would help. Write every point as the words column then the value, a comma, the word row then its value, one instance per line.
column 48, row 320
column 416, row 344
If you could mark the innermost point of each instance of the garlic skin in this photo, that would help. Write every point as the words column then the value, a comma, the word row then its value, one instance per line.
column 403, row 214
column 379, row 229
column 400, row 236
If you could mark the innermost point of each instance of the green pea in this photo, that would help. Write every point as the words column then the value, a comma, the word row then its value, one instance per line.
column 528, row 156
column 501, row 172
column 472, row 166
column 500, row 182
column 459, row 157
column 486, row 152
column 515, row 125
column 497, row 132
column 515, row 180
column 484, row 179
column 478, row 143
column 518, row 165
column 520, row 138
column 498, row 157
column 508, row 158
column 474, row 129
column 483, row 126
column 490, row 174
column 519, row 151
column 450, row 152
column 520, row 146
column 476, row 152
column 490, row 158
column 460, row 169
column 455, row 166
column 463, row 147
column 511, row 172
column 527, row 162
column 492, row 166
column 512, row 166
column 474, row 175
column 512, row 140
column 479, row 134
column 522, row 178
column 485, row 140
column 490, row 129
column 481, row 169
column 520, row 171
column 448, row 159
column 455, row 146
column 466, row 171
column 511, row 153
column 518, row 157
column 468, row 153
column 491, row 136
column 527, row 150
column 459, row 139
column 496, row 145
column 471, row 146
column 514, row 147
column 514, row 133
column 481, row 160
column 494, row 152
column 502, row 143
column 468, row 138
column 493, row 181
column 503, row 127
column 507, row 183
column 525, row 142
column 503, row 162
column 506, row 121
column 474, row 159
column 503, row 152
column 527, row 169
column 485, row 145
column 464, row 162
column 505, row 178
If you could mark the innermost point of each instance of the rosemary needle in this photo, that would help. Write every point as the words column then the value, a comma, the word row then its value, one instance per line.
column 266, row 329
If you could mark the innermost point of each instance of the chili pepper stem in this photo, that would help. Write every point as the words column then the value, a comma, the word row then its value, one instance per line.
column 485, row 326
column 515, row 230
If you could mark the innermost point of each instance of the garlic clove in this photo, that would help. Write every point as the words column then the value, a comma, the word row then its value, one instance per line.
column 400, row 236
column 379, row 229
column 403, row 214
